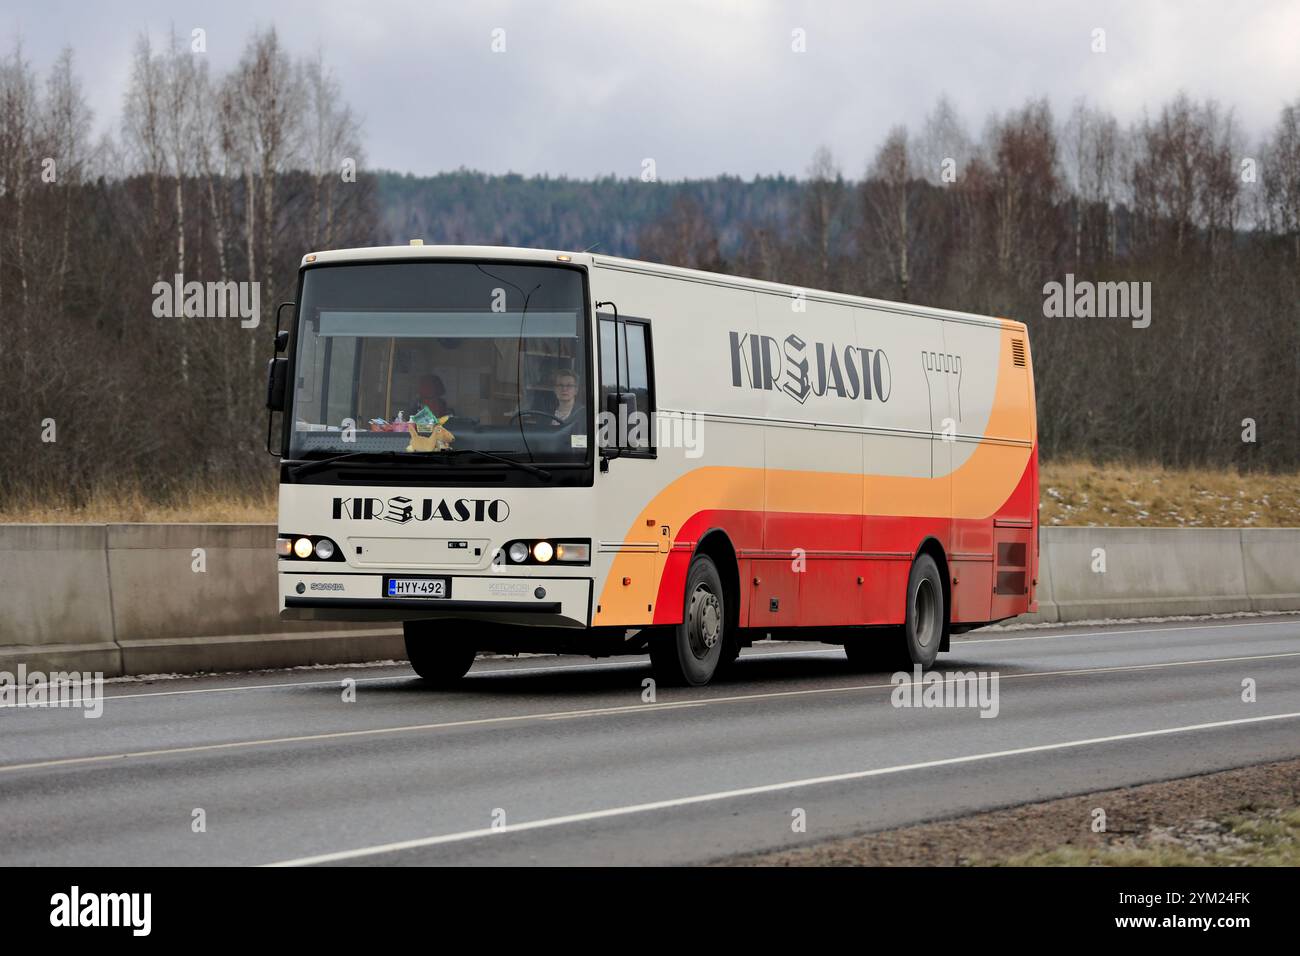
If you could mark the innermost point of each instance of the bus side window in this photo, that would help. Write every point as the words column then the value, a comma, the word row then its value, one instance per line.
column 634, row 378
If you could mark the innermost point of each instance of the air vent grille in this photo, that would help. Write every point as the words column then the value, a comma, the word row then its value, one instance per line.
column 1018, row 352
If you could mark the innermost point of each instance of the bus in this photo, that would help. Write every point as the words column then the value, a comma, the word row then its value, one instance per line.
column 521, row 450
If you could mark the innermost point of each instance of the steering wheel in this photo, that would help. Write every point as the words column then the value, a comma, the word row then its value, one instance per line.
column 536, row 413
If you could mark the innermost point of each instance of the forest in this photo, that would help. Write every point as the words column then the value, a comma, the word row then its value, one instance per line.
column 233, row 177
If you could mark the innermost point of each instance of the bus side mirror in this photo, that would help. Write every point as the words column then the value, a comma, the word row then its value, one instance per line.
column 277, row 375
column 621, row 405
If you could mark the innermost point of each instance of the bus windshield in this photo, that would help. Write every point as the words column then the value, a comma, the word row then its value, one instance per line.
column 425, row 357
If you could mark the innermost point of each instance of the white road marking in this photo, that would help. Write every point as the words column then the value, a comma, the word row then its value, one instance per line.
column 606, row 814
column 618, row 711
column 957, row 642
column 1140, row 630
column 598, row 712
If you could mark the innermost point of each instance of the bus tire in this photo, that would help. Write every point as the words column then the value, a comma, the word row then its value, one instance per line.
column 689, row 653
column 926, row 615
column 439, row 659
column 918, row 640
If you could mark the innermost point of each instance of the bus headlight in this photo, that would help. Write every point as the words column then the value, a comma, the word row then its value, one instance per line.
column 577, row 553
column 284, row 547
column 324, row 549
column 303, row 547
column 535, row 552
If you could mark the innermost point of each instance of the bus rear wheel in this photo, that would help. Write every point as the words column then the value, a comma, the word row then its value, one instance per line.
column 441, row 659
column 918, row 640
column 926, row 613
column 689, row 653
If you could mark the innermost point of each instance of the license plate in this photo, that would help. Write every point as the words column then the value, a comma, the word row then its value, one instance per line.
column 419, row 587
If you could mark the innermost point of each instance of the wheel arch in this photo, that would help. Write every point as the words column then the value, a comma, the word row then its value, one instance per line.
column 716, row 544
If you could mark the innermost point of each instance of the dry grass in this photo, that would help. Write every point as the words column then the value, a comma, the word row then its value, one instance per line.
column 1249, row 816
column 1261, row 838
column 214, row 505
column 1073, row 493
column 1077, row 493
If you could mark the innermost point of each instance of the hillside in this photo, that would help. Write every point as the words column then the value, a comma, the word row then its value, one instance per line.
column 563, row 213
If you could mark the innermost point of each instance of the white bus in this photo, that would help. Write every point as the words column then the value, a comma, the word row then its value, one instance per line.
column 788, row 462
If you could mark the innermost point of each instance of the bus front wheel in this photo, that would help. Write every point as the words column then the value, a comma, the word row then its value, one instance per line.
column 441, row 659
column 689, row 653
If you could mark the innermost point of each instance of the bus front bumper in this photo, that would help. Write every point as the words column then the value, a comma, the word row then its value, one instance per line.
column 524, row 601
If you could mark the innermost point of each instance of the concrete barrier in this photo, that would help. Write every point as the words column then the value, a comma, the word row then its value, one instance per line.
column 162, row 574
column 1271, row 564
column 148, row 598
column 55, row 606
column 1146, row 572
column 159, row 598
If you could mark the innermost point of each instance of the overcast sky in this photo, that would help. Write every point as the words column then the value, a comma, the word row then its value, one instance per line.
column 702, row 88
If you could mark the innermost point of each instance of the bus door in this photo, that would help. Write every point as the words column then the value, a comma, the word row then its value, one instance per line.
column 625, row 429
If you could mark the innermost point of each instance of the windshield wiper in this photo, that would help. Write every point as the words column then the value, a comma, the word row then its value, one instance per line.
column 316, row 464
column 307, row 467
column 493, row 456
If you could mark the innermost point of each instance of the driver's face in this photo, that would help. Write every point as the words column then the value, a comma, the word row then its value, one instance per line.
column 565, row 389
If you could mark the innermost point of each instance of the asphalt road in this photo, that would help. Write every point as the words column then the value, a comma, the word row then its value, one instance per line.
column 581, row 771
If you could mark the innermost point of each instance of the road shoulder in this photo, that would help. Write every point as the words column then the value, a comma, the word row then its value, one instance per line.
column 1246, row 816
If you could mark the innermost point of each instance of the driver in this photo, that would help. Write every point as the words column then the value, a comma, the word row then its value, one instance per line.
column 567, row 407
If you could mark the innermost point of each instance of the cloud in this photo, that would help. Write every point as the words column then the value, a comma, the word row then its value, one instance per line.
column 585, row 89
